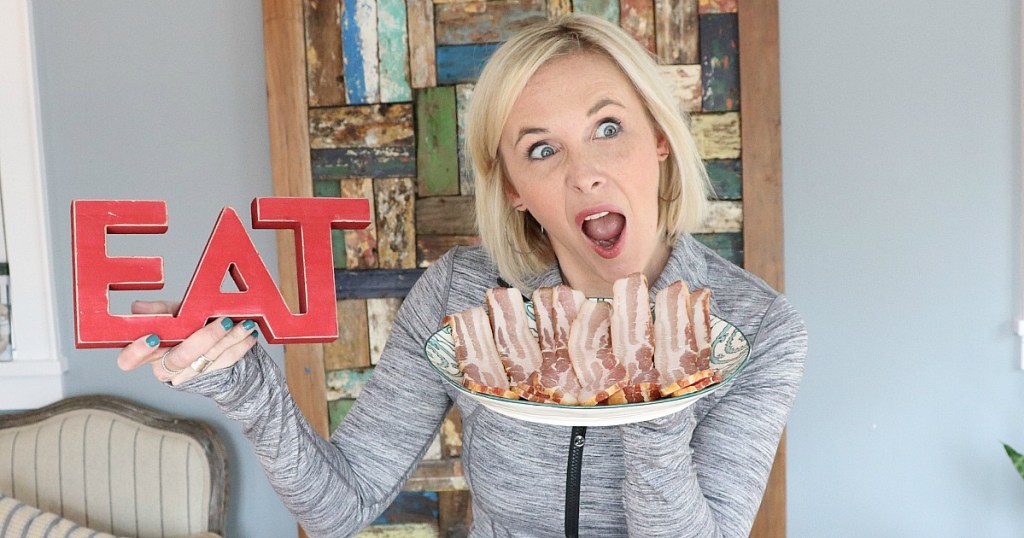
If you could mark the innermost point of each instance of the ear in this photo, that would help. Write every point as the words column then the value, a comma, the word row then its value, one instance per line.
column 514, row 199
column 662, row 144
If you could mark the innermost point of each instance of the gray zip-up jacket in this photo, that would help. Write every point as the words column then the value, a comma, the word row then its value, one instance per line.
column 700, row 472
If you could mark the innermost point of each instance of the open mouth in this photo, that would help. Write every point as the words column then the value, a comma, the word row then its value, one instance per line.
column 604, row 228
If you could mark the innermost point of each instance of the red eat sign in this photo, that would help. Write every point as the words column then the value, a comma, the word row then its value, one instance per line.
column 230, row 250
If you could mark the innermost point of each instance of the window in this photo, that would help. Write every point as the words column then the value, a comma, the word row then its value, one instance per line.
column 31, row 369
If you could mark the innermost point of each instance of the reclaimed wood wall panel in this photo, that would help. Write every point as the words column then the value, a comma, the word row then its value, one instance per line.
column 492, row 21
column 462, row 63
column 719, row 51
column 422, row 56
column 352, row 348
column 371, row 126
column 437, row 163
column 606, row 9
column 359, row 140
column 393, row 51
column 395, row 200
column 637, row 19
column 676, row 31
column 323, row 53
column 360, row 245
column 359, row 41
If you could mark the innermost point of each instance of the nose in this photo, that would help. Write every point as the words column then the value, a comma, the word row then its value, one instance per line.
column 583, row 174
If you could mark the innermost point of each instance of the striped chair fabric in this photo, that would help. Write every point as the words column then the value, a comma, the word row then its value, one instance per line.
column 113, row 473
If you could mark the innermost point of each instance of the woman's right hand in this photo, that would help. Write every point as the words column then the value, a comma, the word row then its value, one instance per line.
column 221, row 341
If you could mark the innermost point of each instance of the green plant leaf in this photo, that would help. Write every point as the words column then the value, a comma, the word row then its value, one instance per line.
column 1016, row 458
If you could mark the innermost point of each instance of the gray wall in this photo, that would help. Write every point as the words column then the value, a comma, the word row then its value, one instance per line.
column 900, row 159
column 161, row 100
column 900, row 151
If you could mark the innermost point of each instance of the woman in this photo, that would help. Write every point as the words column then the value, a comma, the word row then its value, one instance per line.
column 585, row 173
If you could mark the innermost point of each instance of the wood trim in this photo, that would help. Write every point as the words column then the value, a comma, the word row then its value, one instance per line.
column 760, row 119
column 207, row 438
column 284, row 52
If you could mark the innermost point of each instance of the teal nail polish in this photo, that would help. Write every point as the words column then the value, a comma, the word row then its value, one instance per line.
column 256, row 334
column 248, row 324
column 152, row 340
column 227, row 323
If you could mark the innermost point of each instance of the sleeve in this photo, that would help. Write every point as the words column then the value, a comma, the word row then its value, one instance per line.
column 706, row 478
column 337, row 487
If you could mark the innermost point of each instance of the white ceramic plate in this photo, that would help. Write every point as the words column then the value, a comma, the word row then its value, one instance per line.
column 729, row 353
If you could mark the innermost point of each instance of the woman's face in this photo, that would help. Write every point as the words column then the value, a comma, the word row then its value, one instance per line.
column 583, row 158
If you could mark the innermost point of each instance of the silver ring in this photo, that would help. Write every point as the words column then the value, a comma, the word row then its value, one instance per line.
column 201, row 363
column 163, row 365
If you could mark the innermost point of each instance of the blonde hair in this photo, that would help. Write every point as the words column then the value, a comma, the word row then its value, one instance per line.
column 513, row 238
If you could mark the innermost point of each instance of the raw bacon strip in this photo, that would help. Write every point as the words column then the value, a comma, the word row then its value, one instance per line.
column 475, row 353
column 633, row 339
column 517, row 348
column 597, row 369
column 676, row 349
column 554, row 311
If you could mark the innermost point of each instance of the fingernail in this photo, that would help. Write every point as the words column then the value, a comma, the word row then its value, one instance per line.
column 256, row 334
column 248, row 324
column 227, row 323
column 152, row 340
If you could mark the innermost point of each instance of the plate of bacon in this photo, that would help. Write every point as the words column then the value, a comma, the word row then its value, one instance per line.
column 563, row 359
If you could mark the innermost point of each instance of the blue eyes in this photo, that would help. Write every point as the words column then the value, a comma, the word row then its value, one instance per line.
column 541, row 151
column 608, row 128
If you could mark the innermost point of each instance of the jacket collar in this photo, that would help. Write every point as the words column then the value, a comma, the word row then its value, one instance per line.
column 686, row 262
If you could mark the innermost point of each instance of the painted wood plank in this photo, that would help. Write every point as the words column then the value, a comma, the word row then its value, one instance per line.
column 431, row 247
column 359, row 43
column 605, row 9
column 462, row 63
column 451, row 434
column 723, row 216
column 717, row 135
column 395, row 199
column 340, row 163
column 362, row 126
column 405, row 530
column 676, row 31
column 422, row 53
column 557, row 8
column 437, row 163
column 380, row 283
column 717, row 6
column 637, row 19
column 323, row 53
column 727, row 245
column 463, row 23
column 380, row 314
column 450, row 1
column 393, row 51
column 347, row 383
column 446, row 215
column 719, row 57
column 726, row 177
column 684, row 81
column 463, row 95
column 410, row 507
column 352, row 348
column 361, row 245
column 440, row 475
column 337, row 409
column 332, row 188
column 455, row 511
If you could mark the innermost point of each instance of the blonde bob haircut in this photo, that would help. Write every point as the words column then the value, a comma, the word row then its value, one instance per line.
column 514, row 239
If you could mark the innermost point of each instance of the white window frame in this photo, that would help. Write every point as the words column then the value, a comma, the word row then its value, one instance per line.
column 35, row 375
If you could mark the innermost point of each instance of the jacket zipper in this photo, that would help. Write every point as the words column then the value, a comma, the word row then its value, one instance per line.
column 572, row 481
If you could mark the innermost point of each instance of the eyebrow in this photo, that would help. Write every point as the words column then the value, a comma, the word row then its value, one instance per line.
column 593, row 110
